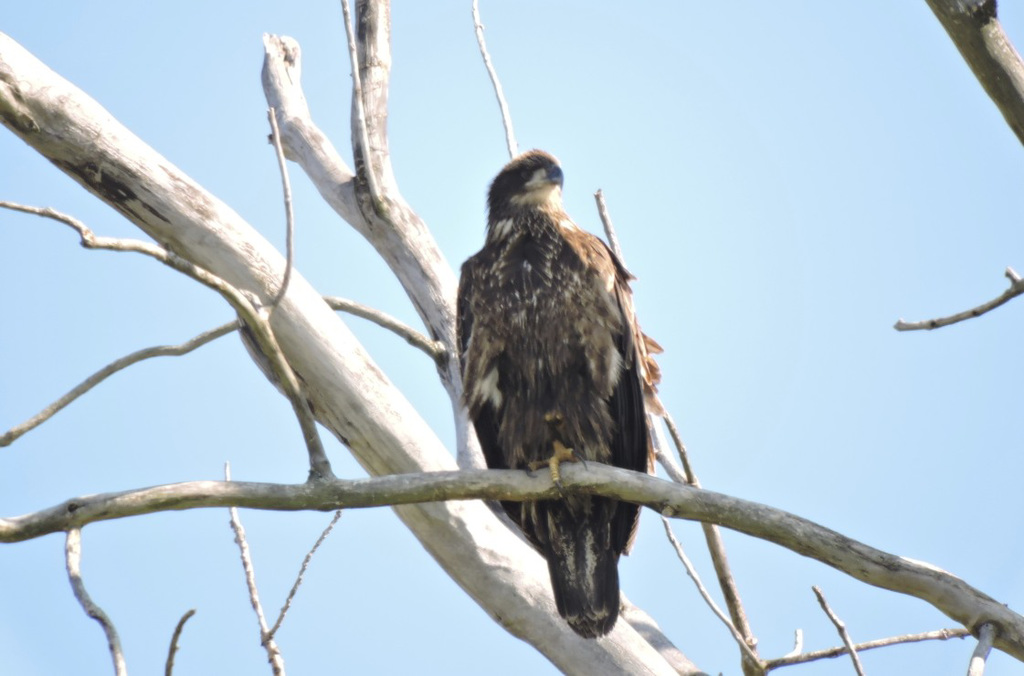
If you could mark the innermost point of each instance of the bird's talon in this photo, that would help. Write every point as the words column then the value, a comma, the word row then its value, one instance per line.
column 561, row 454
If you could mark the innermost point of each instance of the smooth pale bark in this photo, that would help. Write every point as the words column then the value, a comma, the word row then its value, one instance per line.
column 975, row 30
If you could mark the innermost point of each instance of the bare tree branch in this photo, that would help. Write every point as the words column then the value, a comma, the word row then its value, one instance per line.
column 946, row 592
column 259, row 326
column 986, row 637
column 692, row 572
column 666, row 461
column 800, row 658
column 684, row 456
column 506, row 117
column 1016, row 289
column 175, row 637
column 716, row 548
column 609, row 229
column 384, row 210
column 8, row 437
column 648, row 628
column 360, row 129
column 274, row 655
column 977, row 33
column 841, row 628
column 302, row 571
column 404, row 242
column 73, row 559
column 434, row 348
column 289, row 214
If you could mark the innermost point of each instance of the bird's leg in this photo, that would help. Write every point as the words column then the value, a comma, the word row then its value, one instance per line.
column 561, row 452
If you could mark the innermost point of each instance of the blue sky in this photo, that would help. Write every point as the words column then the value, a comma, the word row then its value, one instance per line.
column 785, row 184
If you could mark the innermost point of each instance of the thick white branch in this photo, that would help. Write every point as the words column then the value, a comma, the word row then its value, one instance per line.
column 401, row 239
column 352, row 396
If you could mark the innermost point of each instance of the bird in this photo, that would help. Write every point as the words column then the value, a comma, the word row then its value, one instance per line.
column 555, row 368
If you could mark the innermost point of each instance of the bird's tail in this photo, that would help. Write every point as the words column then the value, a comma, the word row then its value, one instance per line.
column 584, row 569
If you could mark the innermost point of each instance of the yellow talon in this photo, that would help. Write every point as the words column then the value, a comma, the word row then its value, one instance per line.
column 561, row 454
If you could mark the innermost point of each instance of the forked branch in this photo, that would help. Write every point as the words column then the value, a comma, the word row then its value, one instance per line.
column 798, row 657
column 841, row 628
column 254, row 319
column 274, row 655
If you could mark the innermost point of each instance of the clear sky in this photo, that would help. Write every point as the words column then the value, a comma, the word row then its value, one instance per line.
column 786, row 184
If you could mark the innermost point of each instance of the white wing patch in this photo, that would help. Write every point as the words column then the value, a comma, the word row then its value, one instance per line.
column 488, row 386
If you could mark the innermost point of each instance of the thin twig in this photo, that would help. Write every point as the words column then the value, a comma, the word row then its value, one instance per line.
column 169, row 667
column 1016, row 289
column 841, row 628
column 286, row 188
column 692, row 572
column 664, row 459
column 716, row 545
column 357, row 96
column 986, row 637
column 7, row 438
column 266, row 640
column 609, row 229
column 837, row 651
column 320, row 467
column 434, row 348
column 73, row 559
column 302, row 571
column 684, row 456
column 506, row 118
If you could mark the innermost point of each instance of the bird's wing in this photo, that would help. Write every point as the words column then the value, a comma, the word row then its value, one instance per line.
column 630, row 443
column 485, row 418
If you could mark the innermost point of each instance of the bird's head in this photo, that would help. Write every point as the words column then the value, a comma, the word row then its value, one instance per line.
column 531, row 180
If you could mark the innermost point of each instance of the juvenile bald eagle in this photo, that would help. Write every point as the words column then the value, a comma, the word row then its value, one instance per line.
column 554, row 363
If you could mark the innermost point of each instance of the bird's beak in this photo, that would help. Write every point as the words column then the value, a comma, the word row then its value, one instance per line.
column 555, row 175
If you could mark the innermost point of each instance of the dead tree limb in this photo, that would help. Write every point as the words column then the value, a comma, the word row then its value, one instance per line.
column 943, row 590
column 974, row 27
